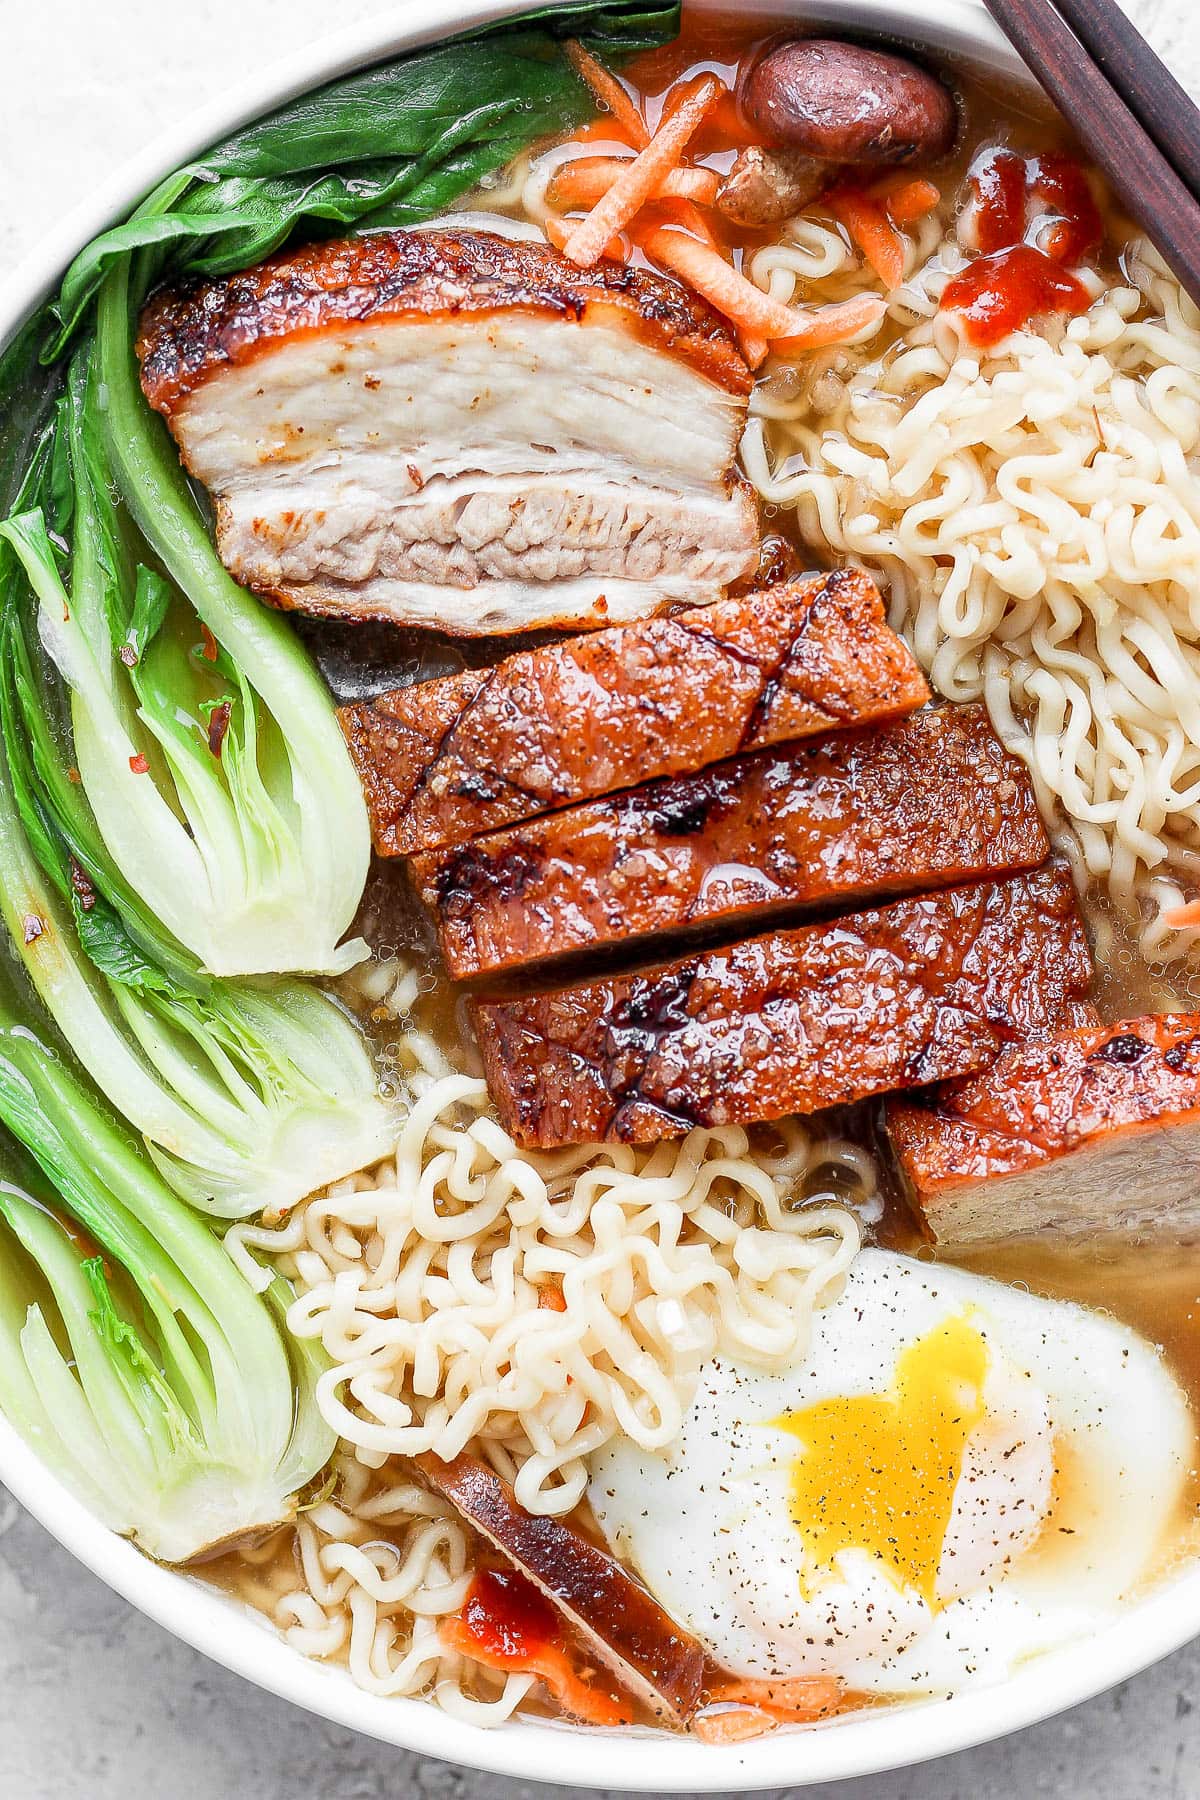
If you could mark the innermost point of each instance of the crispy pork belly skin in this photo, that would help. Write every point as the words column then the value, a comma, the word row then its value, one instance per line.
column 932, row 801
column 653, row 1657
column 1094, row 1131
column 791, row 1022
column 443, row 761
column 451, row 428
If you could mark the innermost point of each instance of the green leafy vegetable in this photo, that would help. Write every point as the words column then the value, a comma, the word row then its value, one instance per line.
column 391, row 146
column 251, row 850
column 133, row 1355
column 179, row 819
column 248, row 1096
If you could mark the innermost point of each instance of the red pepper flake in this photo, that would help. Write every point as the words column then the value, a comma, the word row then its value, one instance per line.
column 551, row 1298
column 32, row 928
column 208, row 647
column 83, row 890
column 74, row 777
column 128, row 656
column 139, row 765
column 218, row 725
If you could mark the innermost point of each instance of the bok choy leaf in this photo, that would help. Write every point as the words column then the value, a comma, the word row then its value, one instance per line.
column 391, row 146
column 248, row 1096
column 134, row 1357
column 213, row 764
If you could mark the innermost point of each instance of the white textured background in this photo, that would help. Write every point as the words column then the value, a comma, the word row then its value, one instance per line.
column 95, row 1702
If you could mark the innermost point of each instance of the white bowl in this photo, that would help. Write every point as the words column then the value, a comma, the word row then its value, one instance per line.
column 635, row 1761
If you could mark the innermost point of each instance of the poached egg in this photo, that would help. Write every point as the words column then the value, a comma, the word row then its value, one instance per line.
column 958, row 1476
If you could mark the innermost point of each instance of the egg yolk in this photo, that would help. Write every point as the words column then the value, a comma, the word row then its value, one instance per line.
column 877, row 1472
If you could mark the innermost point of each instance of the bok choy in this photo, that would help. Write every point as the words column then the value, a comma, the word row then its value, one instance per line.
column 239, row 819
column 134, row 1357
column 179, row 817
column 248, row 1096
column 393, row 145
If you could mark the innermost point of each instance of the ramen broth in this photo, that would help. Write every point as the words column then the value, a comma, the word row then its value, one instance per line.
column 1152, row 1289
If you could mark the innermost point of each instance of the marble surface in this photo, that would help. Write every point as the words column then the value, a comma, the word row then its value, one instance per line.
column 96, row 1703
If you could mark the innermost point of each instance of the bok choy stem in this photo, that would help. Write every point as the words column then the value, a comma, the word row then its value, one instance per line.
column 248, row 1096
column 133, row 1354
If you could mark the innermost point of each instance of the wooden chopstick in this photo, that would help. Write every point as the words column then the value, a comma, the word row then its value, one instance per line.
column 1165, row 110
column 1139, row 172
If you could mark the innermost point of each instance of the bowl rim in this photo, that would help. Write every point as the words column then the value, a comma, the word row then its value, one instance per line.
column 241, row 1640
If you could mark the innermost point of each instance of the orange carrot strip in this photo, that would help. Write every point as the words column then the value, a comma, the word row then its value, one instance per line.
column 1183, row 918
column 559, row 232
column 551, row 1298
column 585, row 181
column 910, row 201
column 832, row 324
column 593, row 1705
column 867, row 222
column 754, row 349
column 705, row 269
column 610, row 93
column 735, row 1725
column 639, row 182
column 799, row 1701
column 747, row 306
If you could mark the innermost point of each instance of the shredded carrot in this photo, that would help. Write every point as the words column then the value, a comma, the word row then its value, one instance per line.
column 641, row 180
column 605, row 131
column 585, row 182
column 908, row 201
column 594, row 1706
column 559, row 232
column 551, row 1298
column 732, row 1725
column 797, row 1701
column 871, row 230
column 705, row 269
column 670, row 210
column 609, row 92
column 1183, row 918
column 754, row 349
column 832, row 324
column 747, row 306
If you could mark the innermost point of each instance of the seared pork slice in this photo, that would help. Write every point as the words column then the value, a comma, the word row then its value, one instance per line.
column 444, row 760
column 1095, row 1132
column 447, row 427
column 655, row 1659
column 932, row 801
column 790, row 1022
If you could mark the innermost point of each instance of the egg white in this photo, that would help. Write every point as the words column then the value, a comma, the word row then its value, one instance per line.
column 1069, row 1485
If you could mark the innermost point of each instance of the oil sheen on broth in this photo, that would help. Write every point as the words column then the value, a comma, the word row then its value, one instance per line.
column 1152, row 1290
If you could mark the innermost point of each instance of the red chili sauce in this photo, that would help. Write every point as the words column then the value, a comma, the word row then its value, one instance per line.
column 508, row 1617
column 1033, row 215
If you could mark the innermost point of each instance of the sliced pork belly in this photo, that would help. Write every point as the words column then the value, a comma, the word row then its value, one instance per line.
column 444, row 760
column 932, row 801
column 1094, row 1131
column 790, row 1022
column 447, row 427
